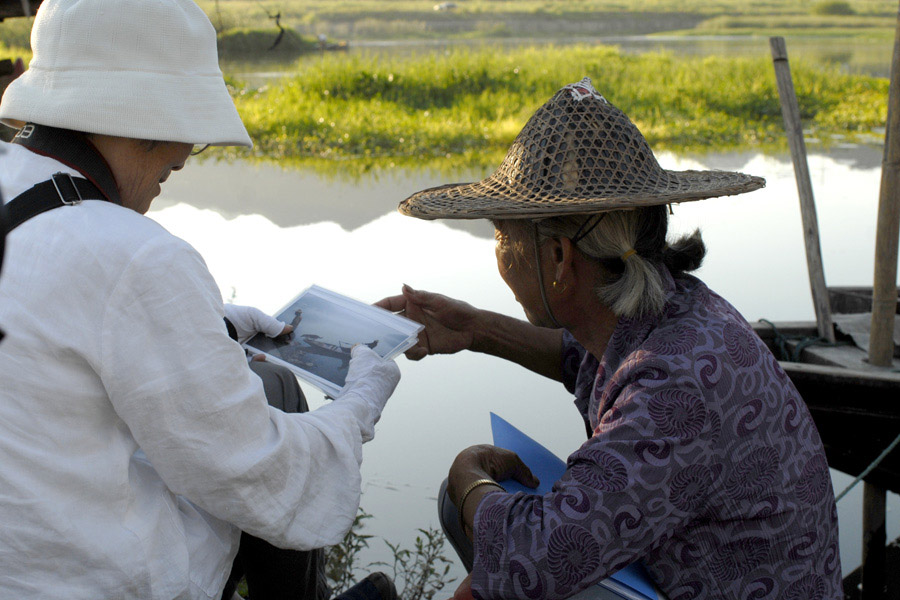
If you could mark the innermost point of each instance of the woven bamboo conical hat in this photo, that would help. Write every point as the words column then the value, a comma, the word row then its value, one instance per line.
column 578, row 154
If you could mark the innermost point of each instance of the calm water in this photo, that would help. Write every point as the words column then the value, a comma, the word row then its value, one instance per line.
column 267, row 233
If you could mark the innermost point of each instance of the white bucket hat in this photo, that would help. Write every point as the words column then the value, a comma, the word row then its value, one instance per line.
column 144, row 69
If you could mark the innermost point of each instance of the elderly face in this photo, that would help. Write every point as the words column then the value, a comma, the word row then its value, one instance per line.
column 515, row 261
column 151, row 167
column 140, row 167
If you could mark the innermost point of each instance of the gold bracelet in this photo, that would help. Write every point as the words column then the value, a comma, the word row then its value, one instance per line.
column 472, row 486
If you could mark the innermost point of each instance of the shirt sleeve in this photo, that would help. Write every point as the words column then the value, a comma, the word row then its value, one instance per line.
column 184, row 390
column 643, row 474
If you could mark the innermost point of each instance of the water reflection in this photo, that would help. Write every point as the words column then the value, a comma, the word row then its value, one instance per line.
column 267, row 233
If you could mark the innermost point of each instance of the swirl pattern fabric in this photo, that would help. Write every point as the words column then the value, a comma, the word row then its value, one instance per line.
column 703, row 462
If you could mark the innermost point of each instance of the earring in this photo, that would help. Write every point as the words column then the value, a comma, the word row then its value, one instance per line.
column 560, row 287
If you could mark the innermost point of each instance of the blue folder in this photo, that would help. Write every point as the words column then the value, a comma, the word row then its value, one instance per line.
column 633, row 582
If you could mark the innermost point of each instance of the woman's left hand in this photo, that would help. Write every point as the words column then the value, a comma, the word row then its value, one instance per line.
column 248, row 321
column 486, row 462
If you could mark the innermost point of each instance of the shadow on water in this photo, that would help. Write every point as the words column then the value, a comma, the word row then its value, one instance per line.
column 292, row 197
column 289, row 198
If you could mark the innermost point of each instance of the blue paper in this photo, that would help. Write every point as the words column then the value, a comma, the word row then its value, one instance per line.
column 548, row 467
column 545, row 465
column 636, row 577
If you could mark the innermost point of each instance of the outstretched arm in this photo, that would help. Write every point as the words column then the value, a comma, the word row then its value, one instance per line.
column 453, row 325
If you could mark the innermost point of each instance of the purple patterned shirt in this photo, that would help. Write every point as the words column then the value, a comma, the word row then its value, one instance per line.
column 704, row 463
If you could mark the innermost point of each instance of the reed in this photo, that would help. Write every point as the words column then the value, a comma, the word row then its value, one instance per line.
column 466, row 107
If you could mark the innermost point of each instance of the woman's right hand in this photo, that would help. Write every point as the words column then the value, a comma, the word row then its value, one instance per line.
column 450, row 324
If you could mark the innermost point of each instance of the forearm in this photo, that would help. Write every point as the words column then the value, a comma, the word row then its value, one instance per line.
column 538, row 349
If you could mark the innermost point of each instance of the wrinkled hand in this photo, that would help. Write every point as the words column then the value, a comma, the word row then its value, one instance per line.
column 450, row 324
column 248, row 321
column 371, row 379
column 486, row 461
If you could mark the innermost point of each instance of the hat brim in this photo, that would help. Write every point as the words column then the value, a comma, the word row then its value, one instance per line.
column 194, row 109
column 492, row 198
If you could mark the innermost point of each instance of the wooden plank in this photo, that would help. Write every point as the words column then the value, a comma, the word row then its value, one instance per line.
column 786, row 328
column 881, row 343
column 849, row 299
column 874, row 539
column 790, row 110
column 852, row 582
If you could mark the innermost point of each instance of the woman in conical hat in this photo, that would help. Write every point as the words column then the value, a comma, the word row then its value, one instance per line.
column 701, row 461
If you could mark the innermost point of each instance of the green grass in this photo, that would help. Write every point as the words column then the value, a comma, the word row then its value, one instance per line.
column 14, row 53
column 464, row 108
column 417, row 19
column 798, row 24
column 16, row 32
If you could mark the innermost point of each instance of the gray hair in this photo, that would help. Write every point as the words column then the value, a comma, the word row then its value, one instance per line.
column 631, row 285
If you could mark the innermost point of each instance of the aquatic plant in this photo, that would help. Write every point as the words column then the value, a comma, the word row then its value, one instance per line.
column 419, row 573
column 250, row 43
column 465, row 107
column 832, row 7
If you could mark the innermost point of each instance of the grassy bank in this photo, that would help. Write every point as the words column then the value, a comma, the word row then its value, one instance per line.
column 465, row 108
column 472, row 19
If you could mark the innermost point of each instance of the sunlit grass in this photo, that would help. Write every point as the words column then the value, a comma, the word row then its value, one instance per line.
column 14, row 53
column 465, row 107
column 472, row 19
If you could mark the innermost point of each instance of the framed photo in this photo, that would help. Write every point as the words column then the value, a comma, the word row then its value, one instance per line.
column 326, row 327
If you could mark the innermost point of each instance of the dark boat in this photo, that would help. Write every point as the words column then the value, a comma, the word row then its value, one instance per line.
column 340, row 350
column 856, row 406
column 18, row 8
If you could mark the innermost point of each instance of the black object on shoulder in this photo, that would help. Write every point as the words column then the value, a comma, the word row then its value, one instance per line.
column 73, row 150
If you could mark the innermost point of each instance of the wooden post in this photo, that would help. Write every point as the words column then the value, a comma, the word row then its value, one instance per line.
column 874, row 540
column 884, row 293
column 790, row 110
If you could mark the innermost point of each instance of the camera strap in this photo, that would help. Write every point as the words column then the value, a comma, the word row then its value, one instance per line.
column 73, row 150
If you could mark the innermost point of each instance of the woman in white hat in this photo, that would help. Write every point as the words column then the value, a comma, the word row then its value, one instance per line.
column 135, row 443
column 701, row 459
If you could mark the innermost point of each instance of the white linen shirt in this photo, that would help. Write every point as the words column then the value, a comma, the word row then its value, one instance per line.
column 135, row 442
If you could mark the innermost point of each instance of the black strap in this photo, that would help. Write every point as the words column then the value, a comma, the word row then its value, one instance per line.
column 73, row 150
column 60, row 190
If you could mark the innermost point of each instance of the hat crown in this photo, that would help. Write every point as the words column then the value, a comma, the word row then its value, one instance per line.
column 578, row 142
column 144, row 69
column 578, row 154
column 167, row 36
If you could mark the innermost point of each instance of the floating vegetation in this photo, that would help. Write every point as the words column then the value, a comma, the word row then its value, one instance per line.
column 464, row 108
column 264, row 43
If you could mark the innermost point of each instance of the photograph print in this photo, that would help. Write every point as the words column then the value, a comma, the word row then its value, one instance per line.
column 326, row 327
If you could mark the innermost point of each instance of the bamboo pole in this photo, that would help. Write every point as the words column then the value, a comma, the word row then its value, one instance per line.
column 790, row 110
column 884, row 307
column 884, row 293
